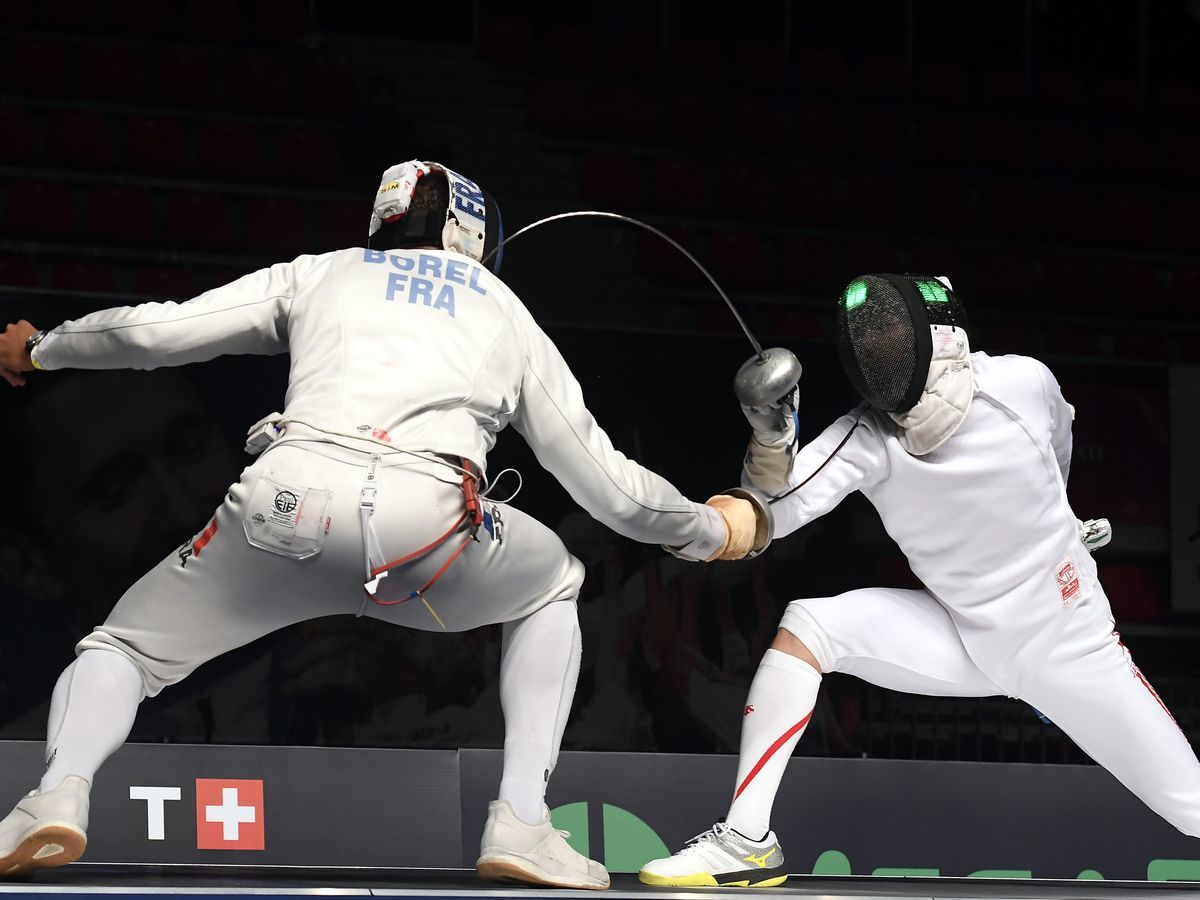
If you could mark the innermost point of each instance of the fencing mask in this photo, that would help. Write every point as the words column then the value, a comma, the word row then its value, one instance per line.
column 903, row 343
column 454, row 212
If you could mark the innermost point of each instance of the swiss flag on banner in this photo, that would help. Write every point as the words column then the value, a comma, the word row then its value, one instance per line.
column 229, row 814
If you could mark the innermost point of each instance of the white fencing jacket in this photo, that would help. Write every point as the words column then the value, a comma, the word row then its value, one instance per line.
column 983, row 520
column 420, row 350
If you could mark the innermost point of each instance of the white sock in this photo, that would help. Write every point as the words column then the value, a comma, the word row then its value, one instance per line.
column 538, row 672
column 91, row 712
column 778, row 708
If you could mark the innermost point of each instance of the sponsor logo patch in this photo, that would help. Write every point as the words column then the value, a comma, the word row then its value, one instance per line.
column 1068, row 581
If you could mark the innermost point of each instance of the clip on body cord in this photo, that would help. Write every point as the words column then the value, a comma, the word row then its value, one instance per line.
column 472, row 514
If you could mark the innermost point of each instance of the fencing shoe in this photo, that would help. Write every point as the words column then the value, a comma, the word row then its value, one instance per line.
column 45, row 829
column 720, row 856
column 511, row 850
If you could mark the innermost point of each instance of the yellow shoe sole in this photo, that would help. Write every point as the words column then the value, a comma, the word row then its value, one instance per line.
column 704, row 879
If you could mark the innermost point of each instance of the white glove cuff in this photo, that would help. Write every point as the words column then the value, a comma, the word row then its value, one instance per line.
column 712, row 537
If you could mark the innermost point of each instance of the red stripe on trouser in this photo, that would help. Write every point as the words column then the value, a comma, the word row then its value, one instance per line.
column 205, row 536
column 771, row 751
column 1154, row 694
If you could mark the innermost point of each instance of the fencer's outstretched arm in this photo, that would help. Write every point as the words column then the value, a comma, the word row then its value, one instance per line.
column 860, row 463
column 571, row 446
column 249, row 315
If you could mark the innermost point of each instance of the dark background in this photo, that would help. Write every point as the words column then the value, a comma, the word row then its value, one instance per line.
column 1041, row 154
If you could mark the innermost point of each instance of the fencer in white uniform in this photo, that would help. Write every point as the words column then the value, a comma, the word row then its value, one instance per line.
column 966, row 457
column 366, row 499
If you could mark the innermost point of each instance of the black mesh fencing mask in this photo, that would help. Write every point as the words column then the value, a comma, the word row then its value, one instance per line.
column 884, row 340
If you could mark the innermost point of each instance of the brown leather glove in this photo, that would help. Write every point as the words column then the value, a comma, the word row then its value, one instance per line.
column 741, row 523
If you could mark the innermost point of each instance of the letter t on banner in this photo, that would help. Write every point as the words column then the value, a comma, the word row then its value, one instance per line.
column 155, row 798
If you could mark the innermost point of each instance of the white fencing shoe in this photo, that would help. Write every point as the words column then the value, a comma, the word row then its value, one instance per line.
column 45, row 829
column 720, row 856
column 511, row 850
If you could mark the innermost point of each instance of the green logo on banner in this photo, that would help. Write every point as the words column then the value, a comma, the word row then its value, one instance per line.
column 628, row 841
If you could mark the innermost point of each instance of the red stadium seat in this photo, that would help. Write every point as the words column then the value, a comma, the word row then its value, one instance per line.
column 88, row 275
column 757, row 63
column 342, row 224
column 1004, row 87
column 700, row 59
column 200, row 218
column 121, row 212
column 1008, row 209
column 1069, row 148
column 639, row 53
column 17, row 271
column 1071, row 281
column 328, row 87
column 689, row 118
column 1137, row 593
column 17, row 127
column 561, row 108
column 942, row 206
column 625, row 112
column 115, row 71
column 613, row 182
column 659, row 261
column 307, row 153
column 79, row 137
column 944, row 139
column 1135, row 285
column 39, row 67
column 1070, row 214
column 163, row 282
column 571, row 49
column 511, row 45
column 1005, row 143
column 154, row 144
column 749, row 193
column 1178, row 98
column 818, row 133
column 1006, row 280
column 279, row 224
column 42, row 207
column 813, row 198
column 681, row 187
column 811, row 263
column 221, row 19
column 1060, row 89
column 741, row 259
column 143, row 17
column 261, row 82
column 187, row 78
column 944, row 82
column 876, row 201
column 884, row 76
column 1129, row 220
column 230, row 148
column 761, row 122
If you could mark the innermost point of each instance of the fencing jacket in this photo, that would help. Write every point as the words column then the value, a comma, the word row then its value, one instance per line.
column 983, row 520
column 422, row 350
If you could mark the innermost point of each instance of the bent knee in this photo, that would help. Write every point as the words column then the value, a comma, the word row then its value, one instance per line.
column 800, row 635
column 156, row 674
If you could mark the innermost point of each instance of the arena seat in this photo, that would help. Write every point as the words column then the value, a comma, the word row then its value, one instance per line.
column 163, row 282
column 83, row 275
column 120, row 212
column 279, row 224
column 154, row 144
column 186, row 77
column 307, row 153
column 19, row 142
column 112, row 71
column 42, row 208
column 17, row 271
column 198, row 217
column 231, row 148
column 79, row 137
column 1070, row 214
column 613, row 182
